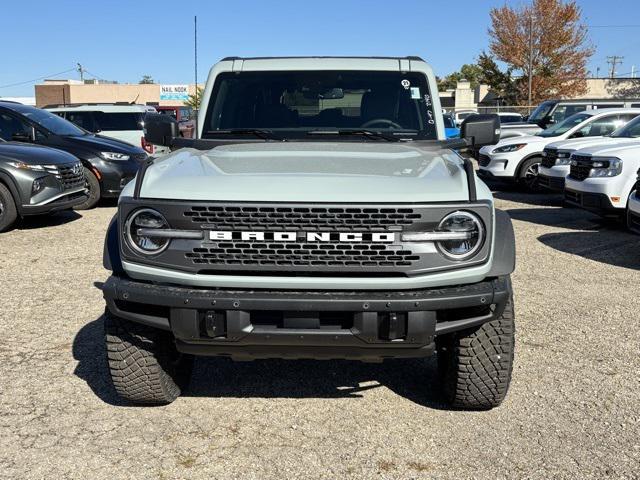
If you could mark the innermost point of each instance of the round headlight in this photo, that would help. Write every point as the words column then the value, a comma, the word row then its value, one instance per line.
column 140, row 233
column 466, row 222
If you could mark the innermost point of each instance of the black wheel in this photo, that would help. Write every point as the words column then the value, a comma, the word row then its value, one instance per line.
column 144, row 364
column 528, row 174
column 8, row 212
column 93, row 187
column 475, row 365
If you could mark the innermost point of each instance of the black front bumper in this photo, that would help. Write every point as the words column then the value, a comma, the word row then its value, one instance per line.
column 115, row 175
column 555, row 184
column 363, row 325
column 594, row 202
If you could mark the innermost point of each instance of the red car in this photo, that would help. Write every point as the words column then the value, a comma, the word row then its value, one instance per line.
column 185, row 117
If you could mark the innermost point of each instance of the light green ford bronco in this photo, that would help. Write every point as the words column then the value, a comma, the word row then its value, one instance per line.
column 319, row 213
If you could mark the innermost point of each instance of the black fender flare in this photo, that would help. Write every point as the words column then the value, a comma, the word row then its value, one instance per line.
column 504, row 246
column 111, row 253
column 8, row 181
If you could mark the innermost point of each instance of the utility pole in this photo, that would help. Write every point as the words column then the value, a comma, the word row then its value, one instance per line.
column 614, row 60
column 81, row 70
column 633, row 71
column 530, row 57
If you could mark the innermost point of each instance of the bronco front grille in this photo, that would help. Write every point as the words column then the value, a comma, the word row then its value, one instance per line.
column 307, row 218
column 302, row 255
column 68, row 175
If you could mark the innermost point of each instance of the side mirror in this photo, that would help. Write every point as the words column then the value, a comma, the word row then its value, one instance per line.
column 481, row 130
column 160, row 129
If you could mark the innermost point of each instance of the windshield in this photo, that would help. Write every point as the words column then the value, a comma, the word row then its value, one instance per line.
column 565, row 126
column 630, row 130
column 53, row 123
column 294, row 103
column 541, row 112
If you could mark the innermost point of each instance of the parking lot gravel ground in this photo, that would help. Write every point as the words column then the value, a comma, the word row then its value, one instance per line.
column 573, row 410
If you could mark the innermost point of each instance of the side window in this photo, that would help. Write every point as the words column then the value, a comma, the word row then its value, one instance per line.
column 601, row 126
column 564, row 111
column 82, row 119
column 10, row 126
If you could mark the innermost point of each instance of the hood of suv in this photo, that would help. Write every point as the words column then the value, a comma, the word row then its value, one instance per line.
column 579, row 143
column 33, row 154
column 611, row 150
column 99, row 143
column 309, row 172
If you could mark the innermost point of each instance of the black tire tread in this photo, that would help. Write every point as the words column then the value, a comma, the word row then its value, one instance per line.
column 479, row 363
column 10, row 214
column 140, row 361
column 94, row 191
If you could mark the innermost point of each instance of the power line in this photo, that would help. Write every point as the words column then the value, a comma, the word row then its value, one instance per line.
column 36, row 79
column 613, row 26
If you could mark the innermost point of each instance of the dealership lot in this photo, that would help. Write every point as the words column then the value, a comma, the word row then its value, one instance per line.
column 572, row 410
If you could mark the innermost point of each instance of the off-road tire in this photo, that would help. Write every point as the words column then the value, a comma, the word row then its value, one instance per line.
column 525, row 179
column 144, row 364
column 93, row 187
column 475, row 365
column 8, row 212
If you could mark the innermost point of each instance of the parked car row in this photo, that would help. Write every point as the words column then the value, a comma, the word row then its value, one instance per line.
column 592, row 157
column 48, row 163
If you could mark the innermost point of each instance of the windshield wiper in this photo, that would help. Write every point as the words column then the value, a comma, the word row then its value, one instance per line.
column 256, row 132
column 364, row 133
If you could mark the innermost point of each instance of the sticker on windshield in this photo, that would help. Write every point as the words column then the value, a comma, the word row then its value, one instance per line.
column 415, row 93
column 406, row 84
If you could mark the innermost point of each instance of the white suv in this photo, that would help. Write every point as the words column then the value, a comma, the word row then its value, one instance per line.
column 518, row 159
column 602, row 178
column 556, row 159
column 122, row 122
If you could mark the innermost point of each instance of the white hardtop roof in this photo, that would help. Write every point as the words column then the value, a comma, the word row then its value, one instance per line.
column 390, row 64
column 98, row 107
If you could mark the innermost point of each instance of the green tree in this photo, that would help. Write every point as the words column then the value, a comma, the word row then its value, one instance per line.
column 470, row 72
column 501, row 83
column 195, row 99
column 146, row 80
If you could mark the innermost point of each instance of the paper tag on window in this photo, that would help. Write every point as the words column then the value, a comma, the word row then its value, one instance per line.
column 415, row 93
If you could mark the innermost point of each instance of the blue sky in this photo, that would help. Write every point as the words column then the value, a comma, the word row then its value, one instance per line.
column 125, row 39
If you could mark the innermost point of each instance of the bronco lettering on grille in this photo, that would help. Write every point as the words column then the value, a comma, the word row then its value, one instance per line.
column 247, row 236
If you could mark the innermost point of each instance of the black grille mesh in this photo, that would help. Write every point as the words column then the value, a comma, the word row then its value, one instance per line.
column 549, row 160
column 483, row 160
column 66, row 175
column 301, row 255
column 307, row 218
column 582, row 167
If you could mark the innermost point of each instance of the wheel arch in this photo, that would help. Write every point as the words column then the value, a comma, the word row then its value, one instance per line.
column 111, row 252
column 8, row 182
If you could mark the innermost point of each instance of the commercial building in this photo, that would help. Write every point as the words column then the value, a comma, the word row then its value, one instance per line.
column 94, row 91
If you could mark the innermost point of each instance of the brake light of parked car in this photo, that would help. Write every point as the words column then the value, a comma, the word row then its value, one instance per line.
column 148, row 147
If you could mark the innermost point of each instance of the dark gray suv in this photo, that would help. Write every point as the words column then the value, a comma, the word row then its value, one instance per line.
column 36, row 180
